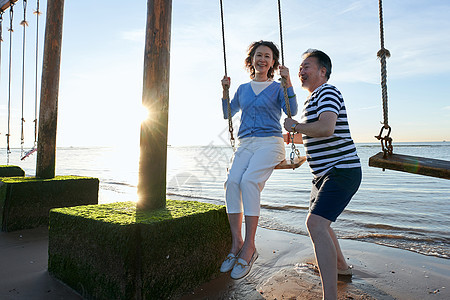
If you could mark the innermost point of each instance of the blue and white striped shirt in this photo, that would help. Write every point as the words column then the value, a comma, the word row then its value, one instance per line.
column 337, row 150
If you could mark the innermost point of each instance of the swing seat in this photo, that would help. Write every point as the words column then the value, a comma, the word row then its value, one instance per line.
column 412, row 164
column 298, row 161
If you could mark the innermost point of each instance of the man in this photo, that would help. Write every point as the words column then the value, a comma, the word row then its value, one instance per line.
column 333, row 161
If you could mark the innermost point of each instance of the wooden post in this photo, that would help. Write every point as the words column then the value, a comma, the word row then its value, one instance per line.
column 45, row 165
column 155, row 97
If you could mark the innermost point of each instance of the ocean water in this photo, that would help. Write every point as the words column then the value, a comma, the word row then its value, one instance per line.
column 391, row 208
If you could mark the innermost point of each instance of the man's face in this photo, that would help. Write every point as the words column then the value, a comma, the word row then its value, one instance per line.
column 310, row 74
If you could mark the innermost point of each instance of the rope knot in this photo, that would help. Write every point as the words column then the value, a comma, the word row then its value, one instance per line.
column 383, row 52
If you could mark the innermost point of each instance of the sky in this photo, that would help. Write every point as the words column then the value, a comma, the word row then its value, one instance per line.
column 101, row 78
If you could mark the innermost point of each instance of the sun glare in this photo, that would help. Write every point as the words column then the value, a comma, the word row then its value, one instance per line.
column 143, row 114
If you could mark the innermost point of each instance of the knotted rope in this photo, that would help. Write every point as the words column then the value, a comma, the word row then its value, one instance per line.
column 37, row 12
column 24, row 23
column 11, row 30
column 383, row 53
column 226, row 89
column 294, row 150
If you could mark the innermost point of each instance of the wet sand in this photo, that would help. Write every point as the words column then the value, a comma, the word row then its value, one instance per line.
column 23, row 267
column 284, row 270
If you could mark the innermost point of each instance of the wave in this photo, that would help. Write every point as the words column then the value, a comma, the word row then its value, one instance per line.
column 194, row 196
column 277, row 191
column 284, row 207
column 438, row 247
column 363, row 213
column 404, row 229
column 118, row 183
column 386, row 236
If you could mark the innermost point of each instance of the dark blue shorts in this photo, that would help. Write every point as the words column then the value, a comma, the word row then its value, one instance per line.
column 332, row 192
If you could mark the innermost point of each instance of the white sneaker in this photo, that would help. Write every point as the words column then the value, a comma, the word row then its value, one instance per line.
column 242, row 268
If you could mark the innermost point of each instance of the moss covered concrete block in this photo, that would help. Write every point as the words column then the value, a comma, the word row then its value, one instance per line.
column 11, row 171
column 110, row 251
column 25, row 202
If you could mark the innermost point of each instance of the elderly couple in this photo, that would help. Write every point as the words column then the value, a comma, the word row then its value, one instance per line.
column 330, row 152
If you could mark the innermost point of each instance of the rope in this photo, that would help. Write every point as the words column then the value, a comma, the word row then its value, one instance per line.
column 37, row 13
column 1, row 39
column 281, row 33
column 11, row 30
column 226, row 89
column 283, row 80
column 223, row 38
column 24, row 23
column 294, row 150
column 383, row 53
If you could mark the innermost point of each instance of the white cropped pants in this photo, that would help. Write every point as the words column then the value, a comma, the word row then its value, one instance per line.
column 253, row 163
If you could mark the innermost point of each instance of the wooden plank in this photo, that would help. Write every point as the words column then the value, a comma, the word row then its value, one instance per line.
column 298, row 161
column 412, row 164
column 5, row 4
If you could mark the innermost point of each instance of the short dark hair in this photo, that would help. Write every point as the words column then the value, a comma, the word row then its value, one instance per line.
column 322, row 59
column 251, row 53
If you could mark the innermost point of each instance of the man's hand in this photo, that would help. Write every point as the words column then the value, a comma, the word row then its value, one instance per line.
column 288, row 122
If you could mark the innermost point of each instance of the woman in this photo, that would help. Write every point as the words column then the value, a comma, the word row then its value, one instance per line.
column 259, row 150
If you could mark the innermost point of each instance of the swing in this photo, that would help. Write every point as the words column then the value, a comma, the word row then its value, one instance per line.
column 295, row 160
column 37, row 12
column 387, row 159
column 5, row 4
column 11, row 16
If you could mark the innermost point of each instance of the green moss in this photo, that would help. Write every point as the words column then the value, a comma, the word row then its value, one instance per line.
column 17, row 179
column 124, row 213
column 112, row 251
column 9, row 171
column 25, row 202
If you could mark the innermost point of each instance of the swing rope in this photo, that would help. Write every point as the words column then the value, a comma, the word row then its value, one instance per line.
column 1, row 39
column 24, row 23
column 34, row 148
column 37, row 12
column 387, row 159
column 11, row 30
column 294, row 150
column 383, row 53
column 283, row 165
column 227, row 88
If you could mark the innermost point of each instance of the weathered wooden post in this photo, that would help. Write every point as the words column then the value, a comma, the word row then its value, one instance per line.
column 45, row 164
column 155, row 97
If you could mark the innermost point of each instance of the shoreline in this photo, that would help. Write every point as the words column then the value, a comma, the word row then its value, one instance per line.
column 282, row 271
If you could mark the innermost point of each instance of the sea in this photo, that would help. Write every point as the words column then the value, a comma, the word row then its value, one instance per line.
column 391, row 208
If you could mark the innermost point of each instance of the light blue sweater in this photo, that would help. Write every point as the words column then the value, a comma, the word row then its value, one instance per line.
column 261, row 113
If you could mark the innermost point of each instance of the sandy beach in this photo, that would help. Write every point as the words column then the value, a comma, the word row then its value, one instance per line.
column 284, row 270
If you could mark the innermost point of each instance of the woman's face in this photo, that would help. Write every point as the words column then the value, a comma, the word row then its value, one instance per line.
column 263, row 59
